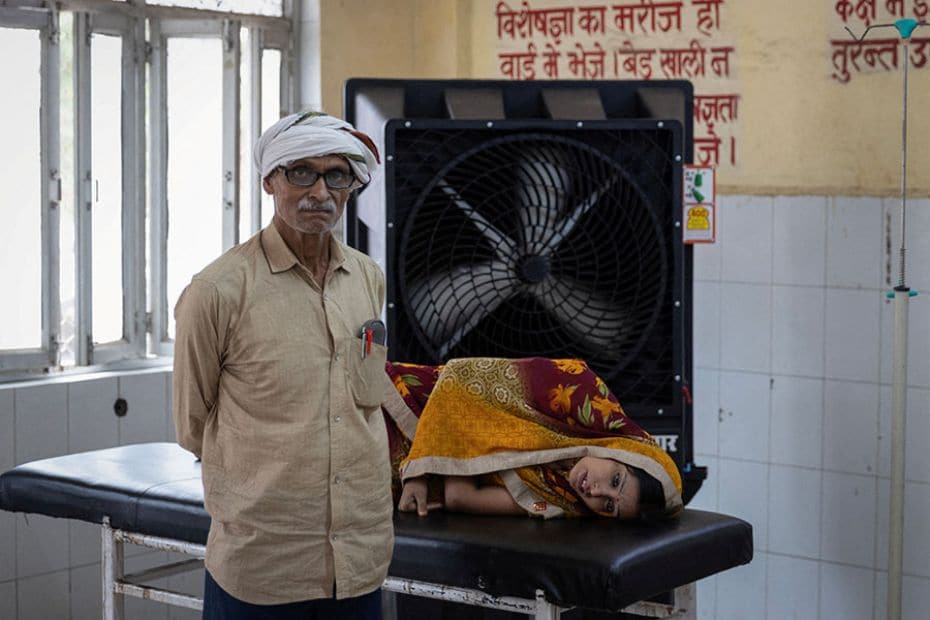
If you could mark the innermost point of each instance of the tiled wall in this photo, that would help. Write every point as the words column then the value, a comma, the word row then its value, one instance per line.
column 50, row 568
column 792, row 403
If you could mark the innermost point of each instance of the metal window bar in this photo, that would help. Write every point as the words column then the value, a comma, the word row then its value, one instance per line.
column 117, row 585
column 231, row 61
column 158, row 190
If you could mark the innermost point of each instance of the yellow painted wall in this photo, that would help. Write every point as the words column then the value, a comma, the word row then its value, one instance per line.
column 799, row 130
column 390, row 39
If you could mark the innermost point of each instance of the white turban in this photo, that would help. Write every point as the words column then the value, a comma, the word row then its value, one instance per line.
column 314, row 134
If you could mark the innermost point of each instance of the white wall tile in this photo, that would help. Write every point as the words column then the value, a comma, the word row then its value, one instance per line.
column 707, row 261
column 794, row 511
column 798, row 330
column 44, row 597
column 745, row 327
column 741, row 590
column 848, row 526
column 92, row 424
column 706, row 497
column 41, row 545
column 917, row 457
column 707, row 598
column 706, row 324
column 797, row 421
column 8, row 599
column 145, row 395
column 85, row 592
column 744, row 419
column 852, row 334
column 792, row 585
column 41, row 422
column 7, row 546
column 745, row 233
column 706, row 393
column 846, row 592
column 7, row 422
column 799, row 240
column 915, row 598
column 855, row 242
column 85, row 542
column 742, row 491
column 850, row 427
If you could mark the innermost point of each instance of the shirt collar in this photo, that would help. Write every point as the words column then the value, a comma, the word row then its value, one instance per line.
column 281, row 258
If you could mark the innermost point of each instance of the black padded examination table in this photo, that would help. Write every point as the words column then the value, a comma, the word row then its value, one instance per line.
column 151, row 494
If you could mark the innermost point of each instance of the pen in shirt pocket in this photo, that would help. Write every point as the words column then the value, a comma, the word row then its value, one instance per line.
column 372, row 331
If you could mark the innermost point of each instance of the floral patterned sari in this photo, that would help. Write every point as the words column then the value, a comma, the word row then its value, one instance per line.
column 520, row 423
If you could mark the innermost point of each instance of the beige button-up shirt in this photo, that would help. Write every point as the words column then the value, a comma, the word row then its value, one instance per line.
column 272, row 392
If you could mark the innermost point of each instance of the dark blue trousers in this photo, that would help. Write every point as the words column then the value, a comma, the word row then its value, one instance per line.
column 219, row 605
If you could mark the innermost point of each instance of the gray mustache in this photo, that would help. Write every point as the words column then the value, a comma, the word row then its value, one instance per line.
column 306, row 205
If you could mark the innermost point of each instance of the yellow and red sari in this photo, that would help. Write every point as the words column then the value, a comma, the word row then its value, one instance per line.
column 521, row 421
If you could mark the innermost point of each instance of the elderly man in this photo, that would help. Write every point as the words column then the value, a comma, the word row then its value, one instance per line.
column 278, row 377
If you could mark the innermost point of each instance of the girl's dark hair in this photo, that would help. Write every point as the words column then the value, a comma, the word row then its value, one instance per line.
column 651, row 496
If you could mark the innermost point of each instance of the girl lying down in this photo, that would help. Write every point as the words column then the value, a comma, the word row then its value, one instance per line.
column 529, row 436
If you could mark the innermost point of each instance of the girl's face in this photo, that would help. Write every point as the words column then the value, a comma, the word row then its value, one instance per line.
column 606, row 487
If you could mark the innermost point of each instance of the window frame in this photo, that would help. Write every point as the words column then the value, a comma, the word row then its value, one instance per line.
column 143, row 29
column 132, row 128
column 45, row 21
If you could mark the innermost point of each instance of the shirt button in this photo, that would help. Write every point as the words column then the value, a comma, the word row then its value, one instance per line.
column 338, row 418
column 333, row 537
column 336, row 480
column 337, row 357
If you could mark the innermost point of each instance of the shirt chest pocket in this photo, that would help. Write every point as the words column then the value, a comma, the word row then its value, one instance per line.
column 365, row 371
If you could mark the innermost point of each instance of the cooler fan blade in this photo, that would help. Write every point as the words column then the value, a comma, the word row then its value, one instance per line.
column 541, row 184
column 564, row 228
column 447, row 306
column 503, row 245
column 597, row 322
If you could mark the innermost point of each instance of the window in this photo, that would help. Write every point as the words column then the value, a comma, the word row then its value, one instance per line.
column 147, row 177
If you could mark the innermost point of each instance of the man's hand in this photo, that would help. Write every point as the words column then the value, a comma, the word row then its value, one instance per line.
column 413, row 497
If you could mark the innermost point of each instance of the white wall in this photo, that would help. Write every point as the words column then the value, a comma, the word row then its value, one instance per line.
column 792, row 374
column 792, row 401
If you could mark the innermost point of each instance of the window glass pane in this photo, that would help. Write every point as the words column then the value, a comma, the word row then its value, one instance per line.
column 271, row 110
column 66, row 215
column 106, row 167
column 195, row 164
column 20, row 202
column 274, row 8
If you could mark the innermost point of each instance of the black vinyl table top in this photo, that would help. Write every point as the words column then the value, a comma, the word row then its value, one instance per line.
column 155, row 489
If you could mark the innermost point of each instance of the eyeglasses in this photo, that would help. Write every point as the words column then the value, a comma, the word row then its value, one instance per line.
column 305, row 176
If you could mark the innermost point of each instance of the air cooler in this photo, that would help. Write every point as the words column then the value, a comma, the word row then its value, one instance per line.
column 537, row 219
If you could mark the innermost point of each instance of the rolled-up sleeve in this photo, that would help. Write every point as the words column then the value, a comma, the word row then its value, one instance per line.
column 198, row 357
